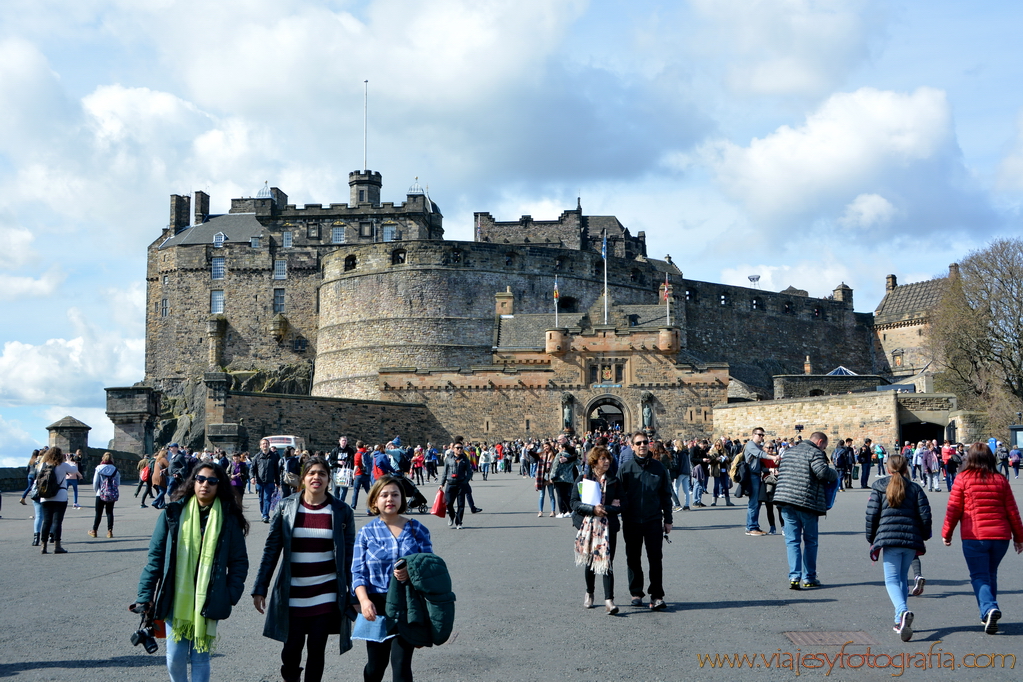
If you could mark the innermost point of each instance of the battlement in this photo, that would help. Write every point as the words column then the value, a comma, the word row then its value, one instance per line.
column 571, row 230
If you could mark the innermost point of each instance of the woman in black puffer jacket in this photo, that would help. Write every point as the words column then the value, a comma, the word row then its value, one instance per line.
column 898, row 524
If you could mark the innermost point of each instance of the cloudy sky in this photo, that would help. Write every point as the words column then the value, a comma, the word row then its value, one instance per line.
column 808, row 141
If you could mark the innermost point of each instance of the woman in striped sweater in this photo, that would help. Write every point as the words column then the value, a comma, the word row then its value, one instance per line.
column 316, row 533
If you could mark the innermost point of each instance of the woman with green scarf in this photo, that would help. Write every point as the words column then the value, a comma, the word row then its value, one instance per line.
column 196, row 569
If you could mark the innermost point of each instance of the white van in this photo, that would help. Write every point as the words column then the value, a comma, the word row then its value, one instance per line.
column 281, row 442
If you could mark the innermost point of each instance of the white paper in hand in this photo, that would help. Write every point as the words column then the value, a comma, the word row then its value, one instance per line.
column 590, row 493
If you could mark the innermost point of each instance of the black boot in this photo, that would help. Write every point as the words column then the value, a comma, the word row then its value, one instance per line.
column 57, row 549
column 291, row 677
column 44, row 549
column 35, row 540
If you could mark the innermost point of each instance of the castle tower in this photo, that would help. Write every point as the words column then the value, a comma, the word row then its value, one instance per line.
column 365, row 187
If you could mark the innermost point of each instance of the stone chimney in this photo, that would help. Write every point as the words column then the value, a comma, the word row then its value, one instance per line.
column 953, row 271
column 179, row 210
column 890, row 282
column 807, row 367
column 505, row 301
column 202, row 207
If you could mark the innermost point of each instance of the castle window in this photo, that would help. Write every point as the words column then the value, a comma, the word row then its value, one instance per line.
column 216, row 302
column 337, row 235
column 301, row 345
column 165, row 279
column 287, row 239
column 593, row 374
column 219, row 267
column 788, row 308
column 723, row 299
column 366, row 229
column 362, row 195
column 312, row 231
column 456, row 256
column 598, row 268
column 278, row 301
column 218, row 239
column 509, row 260
column 756, row 304
column 398, row 256
column 164, row 308
column 280, row 269
column 619, row 373
column 634, row 276
column 349, row 263
column 390, row 233
column 558, row 262
column 254, row 242
column 691, row 295
column 818, row 313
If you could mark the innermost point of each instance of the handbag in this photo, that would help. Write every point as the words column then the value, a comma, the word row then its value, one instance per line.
column 439, row 507
column 343, row 477
column 275, row 499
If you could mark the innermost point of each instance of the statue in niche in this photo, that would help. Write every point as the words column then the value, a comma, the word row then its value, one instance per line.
column 566, row 411
column 648, row 416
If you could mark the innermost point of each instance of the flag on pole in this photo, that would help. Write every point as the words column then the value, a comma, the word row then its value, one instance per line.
column 667, row 287
column 555, row 287
column 603, row 248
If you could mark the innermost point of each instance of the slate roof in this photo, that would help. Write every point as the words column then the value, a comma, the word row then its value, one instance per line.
column 528, row 331
column 909, row 301
column 842, row 371
column 596, row 224
column 237, row 227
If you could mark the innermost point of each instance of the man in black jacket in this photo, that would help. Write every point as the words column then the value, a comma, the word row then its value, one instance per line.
column 341, row 457
column 266, row 473
column 646, row 519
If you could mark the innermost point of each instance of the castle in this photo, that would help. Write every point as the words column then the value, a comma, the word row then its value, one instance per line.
column 362, row 318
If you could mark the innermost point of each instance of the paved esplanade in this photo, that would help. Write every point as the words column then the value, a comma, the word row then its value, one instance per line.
column 519, row 611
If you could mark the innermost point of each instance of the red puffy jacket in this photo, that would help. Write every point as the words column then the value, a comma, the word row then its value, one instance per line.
column 985, row 505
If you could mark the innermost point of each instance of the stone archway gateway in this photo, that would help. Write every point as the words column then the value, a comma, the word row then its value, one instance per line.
column 607, row 412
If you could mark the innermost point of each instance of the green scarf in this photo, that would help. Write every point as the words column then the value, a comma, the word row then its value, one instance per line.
column 192, row 574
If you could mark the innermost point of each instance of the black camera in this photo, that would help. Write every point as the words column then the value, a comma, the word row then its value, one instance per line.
column 144, row 634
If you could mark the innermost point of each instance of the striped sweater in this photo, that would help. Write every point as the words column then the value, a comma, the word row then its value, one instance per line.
column 313, row 571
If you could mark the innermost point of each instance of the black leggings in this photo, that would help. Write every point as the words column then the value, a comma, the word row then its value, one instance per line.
column 396, row 650
column 100, row 506
column 317, row 628
column 53, row 520
column 609, row 577
column 564, row 496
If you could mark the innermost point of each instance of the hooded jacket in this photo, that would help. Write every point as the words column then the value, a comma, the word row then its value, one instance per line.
column 908, row 525
column 102, row 471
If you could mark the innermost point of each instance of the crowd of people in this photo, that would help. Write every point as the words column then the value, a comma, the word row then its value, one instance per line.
column 333, row 580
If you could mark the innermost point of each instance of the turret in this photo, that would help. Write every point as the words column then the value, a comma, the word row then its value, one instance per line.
column 365, row 187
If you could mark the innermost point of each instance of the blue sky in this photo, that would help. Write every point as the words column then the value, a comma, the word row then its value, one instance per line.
column 810, row 142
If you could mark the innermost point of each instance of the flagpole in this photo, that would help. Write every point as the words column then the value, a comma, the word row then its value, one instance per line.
column 365, row 121
column 604, row 253
column 667, row 299
column 555, row 300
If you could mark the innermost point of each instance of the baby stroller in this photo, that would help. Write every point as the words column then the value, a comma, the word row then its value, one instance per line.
column 415, row 499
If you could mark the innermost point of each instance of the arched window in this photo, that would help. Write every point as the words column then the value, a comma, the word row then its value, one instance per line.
column 398, row 256
column 349, row 263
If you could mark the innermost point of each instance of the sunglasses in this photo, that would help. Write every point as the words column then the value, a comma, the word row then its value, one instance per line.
column 212, row 480
column 642, row 442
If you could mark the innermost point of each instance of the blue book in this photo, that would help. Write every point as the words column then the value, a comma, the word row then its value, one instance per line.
column 372, row 630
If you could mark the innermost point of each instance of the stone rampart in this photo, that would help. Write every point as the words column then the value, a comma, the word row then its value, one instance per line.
column 808, row 385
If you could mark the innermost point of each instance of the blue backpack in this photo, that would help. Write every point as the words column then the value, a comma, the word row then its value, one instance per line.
column 108, row 490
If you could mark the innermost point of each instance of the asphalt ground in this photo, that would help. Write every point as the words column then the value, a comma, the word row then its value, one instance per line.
column 519, row 609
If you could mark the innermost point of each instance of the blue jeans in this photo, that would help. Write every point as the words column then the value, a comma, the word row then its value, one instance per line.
column 73, row 483
column 341, row 492
column 982, row 558
column 721, row 486
column 357, row 483
column 698, row 490
column 896, row 562
column 753, row 505
column 685, row 485
column 161, row 497
column 549, row 491
column 266, row 493
column 180, row 654
column 38, row 520
column 800, row 526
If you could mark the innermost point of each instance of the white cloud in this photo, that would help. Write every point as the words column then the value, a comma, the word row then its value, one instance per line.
column 818, row 277
column 16, row 444
column 14, row 287
column 867, row 211
column 789, row 47
column 69, row 371
column 95, row 417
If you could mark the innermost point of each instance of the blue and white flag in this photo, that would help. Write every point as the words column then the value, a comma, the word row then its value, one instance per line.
column 603, row 248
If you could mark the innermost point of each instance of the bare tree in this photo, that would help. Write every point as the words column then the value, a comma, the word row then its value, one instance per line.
column 976, row 334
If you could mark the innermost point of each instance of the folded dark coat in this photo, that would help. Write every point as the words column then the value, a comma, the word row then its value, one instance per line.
column 423, row 609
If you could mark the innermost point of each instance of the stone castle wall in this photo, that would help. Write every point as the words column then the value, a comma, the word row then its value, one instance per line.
column 856, row 416
column 807, row 385
column 763, row 333
column 436, row 308
column 322, row 420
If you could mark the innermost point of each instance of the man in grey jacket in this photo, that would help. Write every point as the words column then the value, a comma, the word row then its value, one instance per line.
column 801, row 501
column 753, row 452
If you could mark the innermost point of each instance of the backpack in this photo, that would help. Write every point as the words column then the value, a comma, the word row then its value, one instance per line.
column 47, row 484
column 144, row 477
column 842, row 458
column 108, row 490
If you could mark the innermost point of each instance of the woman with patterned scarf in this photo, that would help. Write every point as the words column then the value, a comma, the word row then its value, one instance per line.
column 202, row 527
column 598, row 526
